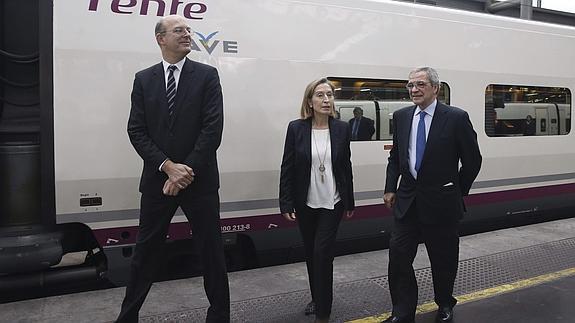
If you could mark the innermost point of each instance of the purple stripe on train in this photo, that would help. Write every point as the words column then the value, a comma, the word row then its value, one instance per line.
column 127, row 235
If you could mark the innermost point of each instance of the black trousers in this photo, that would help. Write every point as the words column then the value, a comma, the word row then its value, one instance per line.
column 318, row 228
column 442, row 244
column 155, row 215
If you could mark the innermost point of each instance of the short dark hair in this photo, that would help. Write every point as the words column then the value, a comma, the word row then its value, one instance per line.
column 159, row 27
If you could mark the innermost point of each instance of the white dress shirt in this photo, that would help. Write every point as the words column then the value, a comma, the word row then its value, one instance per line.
column 177, row 71
column 429, row 111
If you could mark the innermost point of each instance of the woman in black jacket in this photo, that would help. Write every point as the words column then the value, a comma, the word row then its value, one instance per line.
column 316, row 184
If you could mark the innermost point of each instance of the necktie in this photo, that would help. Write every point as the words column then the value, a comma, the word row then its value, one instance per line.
column 171, row 89
column 420, row 140
column 355, row 129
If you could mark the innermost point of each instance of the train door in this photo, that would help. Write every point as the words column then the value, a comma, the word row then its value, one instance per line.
column 553, row 123
column 563, row 128
column 386, row 127
column 567, row 110
column 542, row 117
column 387, row 108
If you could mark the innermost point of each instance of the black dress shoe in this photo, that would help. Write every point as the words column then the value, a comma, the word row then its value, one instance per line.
column 444, row 314
column 395, row 319
column 309, row 308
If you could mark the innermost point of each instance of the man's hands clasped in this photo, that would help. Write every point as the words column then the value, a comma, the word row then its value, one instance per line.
column 179, row 177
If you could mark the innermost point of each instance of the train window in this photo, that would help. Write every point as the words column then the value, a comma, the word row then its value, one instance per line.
column 372, row 102
column 518, row 110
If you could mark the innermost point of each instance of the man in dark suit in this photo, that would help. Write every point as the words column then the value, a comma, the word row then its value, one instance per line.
column 529, row 128
column 175, row 125
column 430, row 140
column 361, row 127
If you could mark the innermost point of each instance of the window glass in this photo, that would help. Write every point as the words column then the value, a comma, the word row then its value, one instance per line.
column 519, row 110
column 372, row 102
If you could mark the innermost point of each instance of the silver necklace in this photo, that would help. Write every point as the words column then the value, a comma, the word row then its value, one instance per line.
column 321, row 160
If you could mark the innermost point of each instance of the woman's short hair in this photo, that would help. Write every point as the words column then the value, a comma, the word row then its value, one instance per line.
column 306, row 110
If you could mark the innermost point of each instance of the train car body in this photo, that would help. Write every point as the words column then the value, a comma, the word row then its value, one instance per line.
column 266, row 52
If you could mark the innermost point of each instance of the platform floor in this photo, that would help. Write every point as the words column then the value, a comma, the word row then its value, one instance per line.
column 547, row 302
column 524, row 274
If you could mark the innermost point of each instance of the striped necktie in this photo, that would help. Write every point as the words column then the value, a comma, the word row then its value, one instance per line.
column 171, row 89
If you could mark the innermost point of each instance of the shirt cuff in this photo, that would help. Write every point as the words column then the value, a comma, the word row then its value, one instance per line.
column 162, row 164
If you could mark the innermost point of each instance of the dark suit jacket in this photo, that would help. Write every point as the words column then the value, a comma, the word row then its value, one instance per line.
column 451, row 140
column 190, row 136
column 365, row 130
column 296, row 163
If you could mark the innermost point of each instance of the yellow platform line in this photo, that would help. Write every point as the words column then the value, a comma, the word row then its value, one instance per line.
column 481, row 294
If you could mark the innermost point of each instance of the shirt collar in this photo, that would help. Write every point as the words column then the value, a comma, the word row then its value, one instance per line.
column 179, row 65
column 430, row 109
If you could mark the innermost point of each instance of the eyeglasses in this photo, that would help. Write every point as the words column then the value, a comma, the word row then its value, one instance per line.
column 320, row 95
column 419, row 84
column 178, row 30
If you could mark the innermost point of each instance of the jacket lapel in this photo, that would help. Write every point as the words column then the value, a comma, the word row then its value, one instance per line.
column 437, row 124
column 334, row 135
column 307, row 139
column 185, row 82
column 159, row 80
column 404, row 136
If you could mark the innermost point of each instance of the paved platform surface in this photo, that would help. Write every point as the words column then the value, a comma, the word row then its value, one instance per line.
column 548, row 302
column 501, row 273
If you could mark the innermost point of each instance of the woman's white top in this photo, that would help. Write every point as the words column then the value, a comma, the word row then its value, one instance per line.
column 321, row 194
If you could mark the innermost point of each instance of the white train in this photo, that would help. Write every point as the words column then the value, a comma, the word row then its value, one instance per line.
column 498, row 69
